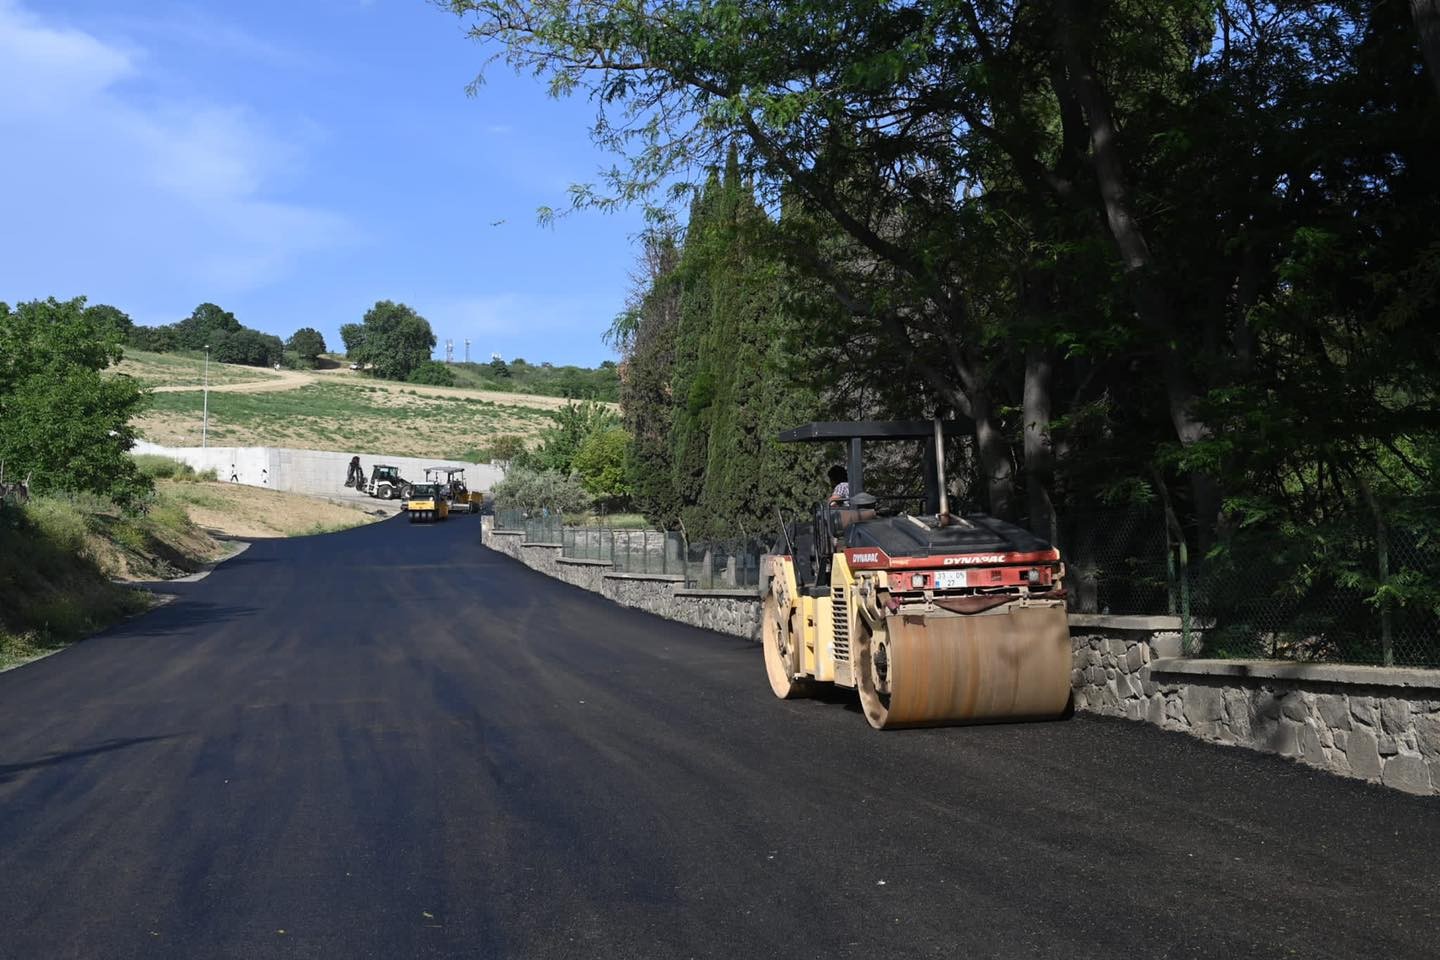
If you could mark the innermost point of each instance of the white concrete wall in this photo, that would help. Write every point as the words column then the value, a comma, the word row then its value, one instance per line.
column 319, row 472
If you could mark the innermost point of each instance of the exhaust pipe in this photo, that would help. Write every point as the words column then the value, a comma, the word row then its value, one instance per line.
column 943, row 519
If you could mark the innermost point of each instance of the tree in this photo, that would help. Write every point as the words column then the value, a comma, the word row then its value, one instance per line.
column 308, row 343
column 505, row 450
column 534, row 491
column 206, row 324
column 1063, row 223
column 60, row 419
column 114, row 316
column 573, row 424
column 353, row 336
column 600, row 463
column 498, row 368
column 245, row 346
column 159, row 339
column 396, row 340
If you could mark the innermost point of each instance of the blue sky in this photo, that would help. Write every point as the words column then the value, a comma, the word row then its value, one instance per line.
column 295, row 162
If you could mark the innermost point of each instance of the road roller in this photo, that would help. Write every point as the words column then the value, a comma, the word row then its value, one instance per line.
column 933, row 618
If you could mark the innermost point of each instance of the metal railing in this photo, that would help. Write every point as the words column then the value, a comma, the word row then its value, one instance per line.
column 1376, row 600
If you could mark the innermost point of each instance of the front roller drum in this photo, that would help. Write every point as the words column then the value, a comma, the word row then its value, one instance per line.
column 924, row 671
column 782, row 651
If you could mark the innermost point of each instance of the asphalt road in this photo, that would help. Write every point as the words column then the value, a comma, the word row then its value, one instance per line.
column 394, row 743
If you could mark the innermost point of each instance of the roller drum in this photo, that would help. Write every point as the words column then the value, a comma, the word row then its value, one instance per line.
column 940, row 669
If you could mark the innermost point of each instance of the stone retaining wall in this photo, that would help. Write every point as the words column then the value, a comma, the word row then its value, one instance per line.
column 735, row 612
column 1365, row 722
column 1371, row 723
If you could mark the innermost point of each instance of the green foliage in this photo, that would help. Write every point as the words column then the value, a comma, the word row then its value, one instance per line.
column 153, row 339
column 103, row 313
column 518, row 376
column 600, row 463
column 394, row 340
column 432, row 373
column 158, row 467
column 505, row 450
column 560, row 443
column 60, row 420
column 1183, row 250
column 308, row 343
column 536, row 491
column 247, row 347
column 209, row 326
column 353, row 336
column 708, row 386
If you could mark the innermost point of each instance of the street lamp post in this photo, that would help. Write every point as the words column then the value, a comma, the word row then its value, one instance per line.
column 205, row 422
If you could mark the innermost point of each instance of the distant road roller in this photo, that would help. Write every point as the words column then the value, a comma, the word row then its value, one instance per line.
column 933, row 618
column 427, row 503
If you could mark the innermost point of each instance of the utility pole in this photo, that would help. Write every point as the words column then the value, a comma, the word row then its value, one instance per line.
column 205, row 422
column 467, row 349
column 449, row 352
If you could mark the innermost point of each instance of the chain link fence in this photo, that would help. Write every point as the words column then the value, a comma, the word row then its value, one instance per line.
column 1352, row 597
column 711, row 565
column 1346, row 594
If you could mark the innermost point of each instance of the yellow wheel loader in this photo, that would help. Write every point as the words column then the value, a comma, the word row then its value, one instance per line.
column 932, row 618
column 427, row 503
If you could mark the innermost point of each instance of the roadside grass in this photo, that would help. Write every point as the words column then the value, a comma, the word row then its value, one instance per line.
column 233, row 509
column 159, row 467
column 183, row 369
column 57, row 558
column 344, row 415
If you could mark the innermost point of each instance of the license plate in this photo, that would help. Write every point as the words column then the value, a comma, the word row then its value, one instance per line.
column 949, row 579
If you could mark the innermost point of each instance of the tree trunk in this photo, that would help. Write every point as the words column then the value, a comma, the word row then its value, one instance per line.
column 995, row 461
column 1039, row 453
column 1427, row 24
column 1151, row 304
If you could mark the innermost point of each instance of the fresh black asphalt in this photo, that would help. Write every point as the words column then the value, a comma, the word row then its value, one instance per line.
column 395, row 743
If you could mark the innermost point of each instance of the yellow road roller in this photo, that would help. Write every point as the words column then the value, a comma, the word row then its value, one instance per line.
column 932, row 617
column 427, row 503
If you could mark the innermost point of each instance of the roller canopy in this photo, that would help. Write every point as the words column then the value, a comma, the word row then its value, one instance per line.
column 829, row 431
column 856, row 432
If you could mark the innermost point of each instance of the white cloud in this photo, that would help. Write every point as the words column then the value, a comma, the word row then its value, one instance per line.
column 110, row 188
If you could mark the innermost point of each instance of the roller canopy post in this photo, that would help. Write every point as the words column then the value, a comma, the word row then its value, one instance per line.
column 857, row 466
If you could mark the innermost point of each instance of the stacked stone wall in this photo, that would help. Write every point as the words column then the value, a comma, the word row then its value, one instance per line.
column 1373, row 724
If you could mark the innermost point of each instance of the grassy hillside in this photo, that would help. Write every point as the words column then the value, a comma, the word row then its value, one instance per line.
column 343, row 414
column 583, row 383
column 183, row 370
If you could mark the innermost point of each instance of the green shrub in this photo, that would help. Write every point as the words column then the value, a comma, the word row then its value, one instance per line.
column 432, row 373
column 159, row 467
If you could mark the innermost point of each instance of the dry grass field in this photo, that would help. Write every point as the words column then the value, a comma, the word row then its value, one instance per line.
column 233, row 510
column 334, row 409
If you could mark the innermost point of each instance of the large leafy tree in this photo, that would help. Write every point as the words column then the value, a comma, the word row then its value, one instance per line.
column 394, row 342
column 308, row 343
column 1064, row 221
column 60, row 419
column 207, row 324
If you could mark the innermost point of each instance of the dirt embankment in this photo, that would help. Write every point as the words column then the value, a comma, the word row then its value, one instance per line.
column 234, row 510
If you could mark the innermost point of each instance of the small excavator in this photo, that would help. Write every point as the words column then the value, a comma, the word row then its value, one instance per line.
column 932, row 618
